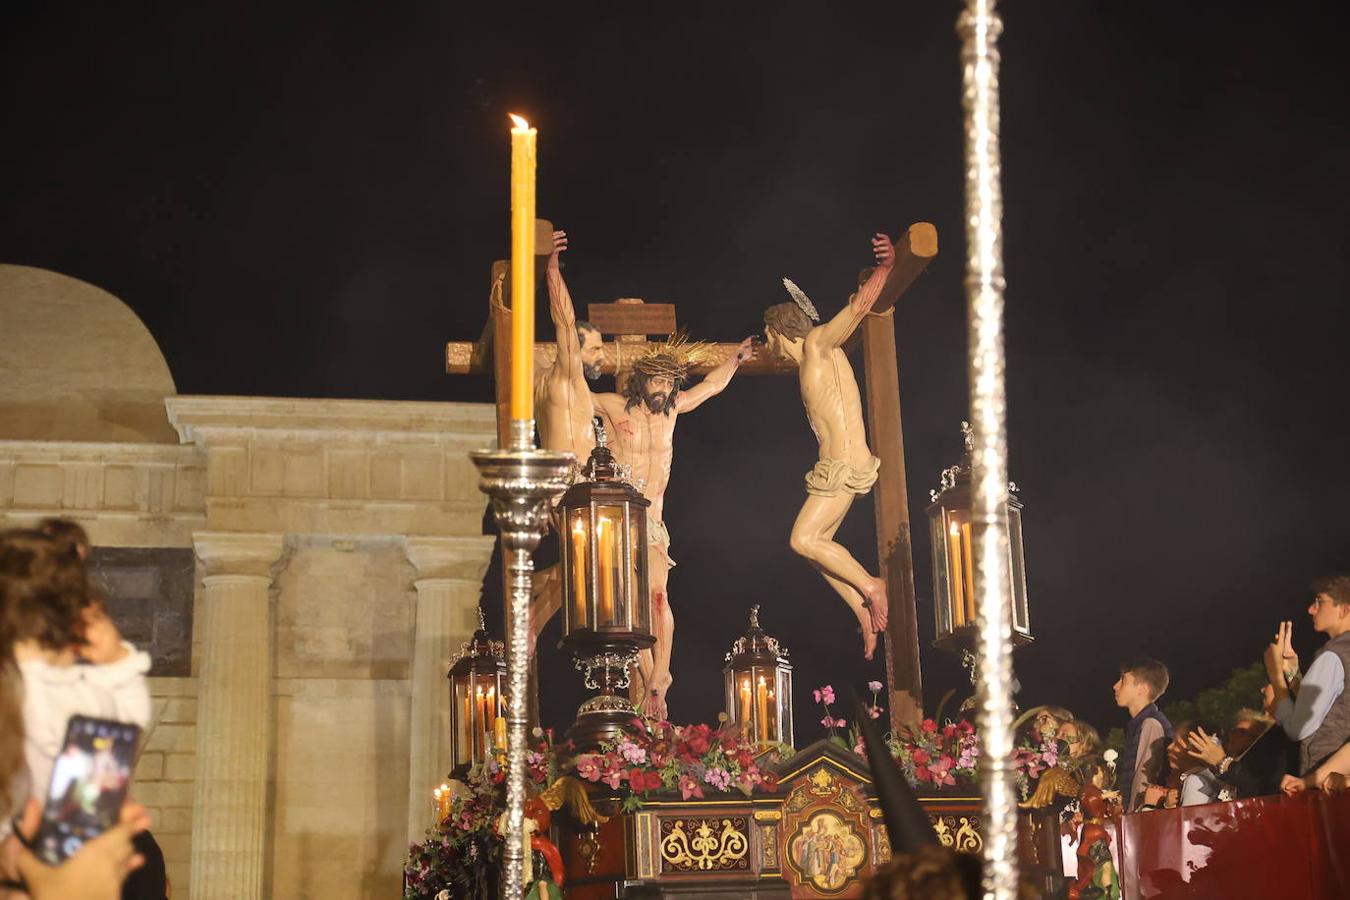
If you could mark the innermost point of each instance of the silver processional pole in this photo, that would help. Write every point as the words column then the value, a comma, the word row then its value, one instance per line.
column 522, row 483
column 979, row 26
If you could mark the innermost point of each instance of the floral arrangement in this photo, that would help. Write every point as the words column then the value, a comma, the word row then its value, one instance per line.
column 933, row 756
column 939, row 756
column 1030, row 760
column 461, row 856
column 659, row 756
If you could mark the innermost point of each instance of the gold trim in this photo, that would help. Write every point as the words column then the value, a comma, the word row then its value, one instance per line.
column 713, row 845
column 768, row 815
column 788, row 776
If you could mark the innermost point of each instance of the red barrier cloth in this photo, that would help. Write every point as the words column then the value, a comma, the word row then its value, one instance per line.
column 1259, row 848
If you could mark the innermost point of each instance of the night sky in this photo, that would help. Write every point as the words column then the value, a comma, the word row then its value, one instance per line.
column 305, row 201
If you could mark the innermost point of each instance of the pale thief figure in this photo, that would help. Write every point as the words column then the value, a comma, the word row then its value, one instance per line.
column 563, row 400
column 833, row 403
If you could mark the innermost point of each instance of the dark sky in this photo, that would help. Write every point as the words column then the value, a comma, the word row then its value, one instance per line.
column 305, row 201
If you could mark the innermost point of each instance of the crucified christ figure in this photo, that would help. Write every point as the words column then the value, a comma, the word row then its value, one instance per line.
column 640, row 423
column 847, row 467
column 564, row 406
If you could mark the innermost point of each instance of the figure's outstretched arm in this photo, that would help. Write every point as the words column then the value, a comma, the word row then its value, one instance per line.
column 563, row 315
column 716, row 381
column 836, row 331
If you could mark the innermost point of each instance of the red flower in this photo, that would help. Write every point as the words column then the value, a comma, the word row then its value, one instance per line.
column 929, row 726
column 640, row 781
column 698, row 738
column 689, row 787
column 920, row 756
column 768, row 781
column 744, row 758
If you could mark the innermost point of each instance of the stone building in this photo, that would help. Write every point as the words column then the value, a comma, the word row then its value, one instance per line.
column 301, row 570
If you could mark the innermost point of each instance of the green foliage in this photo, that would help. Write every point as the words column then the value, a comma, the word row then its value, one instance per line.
column 1217, row 707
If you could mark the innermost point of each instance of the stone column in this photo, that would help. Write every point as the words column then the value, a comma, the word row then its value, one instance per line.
column 449, row 586
column 234, row 714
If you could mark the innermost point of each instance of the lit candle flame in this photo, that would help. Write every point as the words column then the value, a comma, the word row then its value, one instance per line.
column 521, row 124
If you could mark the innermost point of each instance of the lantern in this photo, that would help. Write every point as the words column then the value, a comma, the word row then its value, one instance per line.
column 950, row 529
column 606, row 608
column 759, row 686
column 477, row 680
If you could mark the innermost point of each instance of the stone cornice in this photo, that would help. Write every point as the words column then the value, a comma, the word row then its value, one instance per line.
column 92, row 451
column 199, row 419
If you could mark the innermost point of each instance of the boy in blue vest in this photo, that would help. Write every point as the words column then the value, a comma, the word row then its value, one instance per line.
column 1143, row 761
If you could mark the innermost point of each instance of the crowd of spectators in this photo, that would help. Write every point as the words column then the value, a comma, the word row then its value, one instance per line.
column 1296, row 741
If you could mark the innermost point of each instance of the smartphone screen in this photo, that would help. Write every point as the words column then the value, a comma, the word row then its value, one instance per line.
column 89, row 783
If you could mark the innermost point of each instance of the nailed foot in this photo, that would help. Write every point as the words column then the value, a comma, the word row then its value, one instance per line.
column 875, row 595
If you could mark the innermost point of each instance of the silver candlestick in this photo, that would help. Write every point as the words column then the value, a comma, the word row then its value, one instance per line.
column 522, row 483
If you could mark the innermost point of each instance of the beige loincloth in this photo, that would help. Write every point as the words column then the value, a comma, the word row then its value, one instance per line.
column 659, row 537
column 829, row 477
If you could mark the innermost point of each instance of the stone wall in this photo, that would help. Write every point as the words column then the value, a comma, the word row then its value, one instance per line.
column 338, row 563
column 164, row 775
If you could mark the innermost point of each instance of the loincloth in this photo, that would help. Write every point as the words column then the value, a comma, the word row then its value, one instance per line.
column 830, row 477
column 659, row 537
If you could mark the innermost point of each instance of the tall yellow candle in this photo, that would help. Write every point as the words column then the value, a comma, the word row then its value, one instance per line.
column 957, row 583
column 522, row 269
column 968, row 561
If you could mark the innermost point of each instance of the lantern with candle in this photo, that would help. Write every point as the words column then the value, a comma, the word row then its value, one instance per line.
column 606, row 609
column 950, row 529
column 477, row 683
column 759, row 686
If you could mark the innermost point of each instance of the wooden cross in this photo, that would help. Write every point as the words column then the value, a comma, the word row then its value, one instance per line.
column 632, row 322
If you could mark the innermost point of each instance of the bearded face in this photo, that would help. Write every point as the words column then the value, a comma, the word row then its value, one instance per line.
column 658, row 393
column 655, row 392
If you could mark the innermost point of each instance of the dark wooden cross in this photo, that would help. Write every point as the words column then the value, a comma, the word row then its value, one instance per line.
column 632, row 322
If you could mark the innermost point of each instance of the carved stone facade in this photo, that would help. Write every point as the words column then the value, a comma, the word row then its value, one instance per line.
column 325, row 559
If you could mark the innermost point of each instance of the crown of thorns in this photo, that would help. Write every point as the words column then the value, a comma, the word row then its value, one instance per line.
column 673, row 358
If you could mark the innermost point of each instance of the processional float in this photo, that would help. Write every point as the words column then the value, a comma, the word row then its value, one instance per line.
column 522, row 481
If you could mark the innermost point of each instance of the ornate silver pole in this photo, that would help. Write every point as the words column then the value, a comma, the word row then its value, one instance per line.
column 979, row 27
column 522, row 483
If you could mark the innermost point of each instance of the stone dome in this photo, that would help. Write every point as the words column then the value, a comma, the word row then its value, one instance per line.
column 76, row 364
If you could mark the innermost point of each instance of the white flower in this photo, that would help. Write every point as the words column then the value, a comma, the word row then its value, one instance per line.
column 443, row 895
column 1110, row 756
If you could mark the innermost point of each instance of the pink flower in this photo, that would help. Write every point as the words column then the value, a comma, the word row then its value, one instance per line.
column 874, row 712
column 859, row 748
column 874, row 686
column 612, row 777
column 689, row 787
column 824, row 694
column 588, row 768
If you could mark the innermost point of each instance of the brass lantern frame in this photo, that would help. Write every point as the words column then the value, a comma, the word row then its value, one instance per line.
column 758, row 684
column 951, row 536
column 480, row 663
column 606, row 605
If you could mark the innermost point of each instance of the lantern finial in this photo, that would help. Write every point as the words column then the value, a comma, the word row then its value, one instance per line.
column 754, row 616
column 482, row 622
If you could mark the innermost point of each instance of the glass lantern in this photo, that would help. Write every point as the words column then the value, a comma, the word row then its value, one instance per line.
column 951, row 535
column 477, row 682
column 759, row 686
column 606, row 608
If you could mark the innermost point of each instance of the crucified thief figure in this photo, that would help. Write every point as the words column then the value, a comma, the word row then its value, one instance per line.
column 833, row 403
column 563, row 404
column 640, row 422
